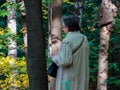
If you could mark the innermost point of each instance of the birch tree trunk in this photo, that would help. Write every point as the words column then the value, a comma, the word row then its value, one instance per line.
column 12, row 48
column 55, row 14
column 11, row 23
column 106, row 23
column 78, row 5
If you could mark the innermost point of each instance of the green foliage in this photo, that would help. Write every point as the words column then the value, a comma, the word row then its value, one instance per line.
column 5, row 34
column 46, row 2
column 3, row 11
column 114, row 76
column 114, row 66
column 4, row 42
column 89, row 27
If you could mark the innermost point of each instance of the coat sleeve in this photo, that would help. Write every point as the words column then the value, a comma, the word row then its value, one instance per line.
column 64, row 56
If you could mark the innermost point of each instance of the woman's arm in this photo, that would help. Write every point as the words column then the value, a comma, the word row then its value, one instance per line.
column 64, row 56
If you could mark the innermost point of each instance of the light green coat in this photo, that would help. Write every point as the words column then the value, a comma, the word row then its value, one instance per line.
column 73, row 71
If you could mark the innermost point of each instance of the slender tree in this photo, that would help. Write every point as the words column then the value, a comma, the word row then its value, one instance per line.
column 78, row 5
column 36, row 61
column 55, row 28
column 106, row 23
column 55, row 13
column 24, row 28
column 12, row 48
column 11, row 23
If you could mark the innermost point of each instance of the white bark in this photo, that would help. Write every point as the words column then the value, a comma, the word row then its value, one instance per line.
column 78, row 10
column 11, row 23
column 106, row 23
column 103, row 59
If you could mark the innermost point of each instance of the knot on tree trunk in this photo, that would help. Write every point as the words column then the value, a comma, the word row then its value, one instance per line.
column 24, row 30
column 107, row 12
column 110, row 27
column 54, row 39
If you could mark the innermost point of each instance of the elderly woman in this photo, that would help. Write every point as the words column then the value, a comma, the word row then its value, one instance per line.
column 73, row 71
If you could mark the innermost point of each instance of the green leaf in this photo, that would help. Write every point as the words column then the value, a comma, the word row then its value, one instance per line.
column 4, row 13
column 1, row 46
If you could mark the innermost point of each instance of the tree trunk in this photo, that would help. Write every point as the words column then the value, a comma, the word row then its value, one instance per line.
column 56, row 6
column 55, row 13
column 78, row 5
column 103, row 55
column 36, row 60
column 106, row 23
column 12, row 48
column 11, row 23
column 24, row 28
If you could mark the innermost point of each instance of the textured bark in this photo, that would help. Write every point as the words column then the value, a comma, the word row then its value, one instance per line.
column 12, row 48
column 22, row 7
column 56, row 17
column 55, row 13
column 24, row 31
column 36, row 60
column 24, row 28
column 103, row 55
column 78, row 10
column 11, row 23
column 107, row 12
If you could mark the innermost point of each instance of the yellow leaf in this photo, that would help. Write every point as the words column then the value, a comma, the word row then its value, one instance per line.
column 1, row 30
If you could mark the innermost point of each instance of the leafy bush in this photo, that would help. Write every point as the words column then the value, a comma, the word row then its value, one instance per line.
column 13, row 73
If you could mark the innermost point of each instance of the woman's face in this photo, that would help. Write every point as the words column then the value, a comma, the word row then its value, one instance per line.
column 65, row 29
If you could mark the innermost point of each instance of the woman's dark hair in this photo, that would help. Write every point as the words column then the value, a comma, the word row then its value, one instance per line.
column 71, row 22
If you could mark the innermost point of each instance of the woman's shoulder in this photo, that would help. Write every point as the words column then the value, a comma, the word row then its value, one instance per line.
column 66, row 40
